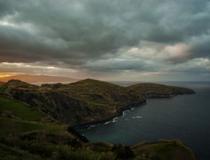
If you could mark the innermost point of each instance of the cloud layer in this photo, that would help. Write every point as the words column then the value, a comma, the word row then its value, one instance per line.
column 106, row 36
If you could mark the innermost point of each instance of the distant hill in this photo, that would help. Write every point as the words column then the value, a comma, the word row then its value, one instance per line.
column 38, row 79
column 87, row 101
column 152, row 90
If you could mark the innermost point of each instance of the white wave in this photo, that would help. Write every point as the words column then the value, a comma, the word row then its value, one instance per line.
column 123, row 114
column 137, row 117
column 91, row 126
column 108, row 122
column 114, row 119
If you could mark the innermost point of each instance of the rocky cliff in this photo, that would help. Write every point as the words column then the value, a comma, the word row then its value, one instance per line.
column 87, row 101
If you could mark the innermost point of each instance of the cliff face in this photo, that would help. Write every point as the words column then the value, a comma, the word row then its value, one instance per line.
column 87, row 101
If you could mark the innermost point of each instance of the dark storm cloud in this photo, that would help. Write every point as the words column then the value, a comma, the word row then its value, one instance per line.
column 76, row 32
column 115, row 65
column 201, row 45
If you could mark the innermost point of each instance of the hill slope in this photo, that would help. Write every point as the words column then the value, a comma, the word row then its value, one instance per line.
column 86, row 101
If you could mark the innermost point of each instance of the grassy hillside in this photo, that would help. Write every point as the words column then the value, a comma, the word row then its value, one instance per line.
column 17, row 117
column 14, row 108
column 163, row 150
column 13, row 153
column 82, row 102
column 86, row 101
column 26, row 134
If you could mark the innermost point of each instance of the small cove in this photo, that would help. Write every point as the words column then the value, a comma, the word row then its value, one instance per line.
column 184, row 117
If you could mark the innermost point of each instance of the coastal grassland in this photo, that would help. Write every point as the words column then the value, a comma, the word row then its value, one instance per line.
column 15, row 126
column 163, row 150
column 18, row 109
column 12, row 126
column 39, row 151
column 13, row 153
column 17, row 117
column 24, row 135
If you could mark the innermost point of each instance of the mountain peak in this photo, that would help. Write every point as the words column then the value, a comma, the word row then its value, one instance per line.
column 90, row 80
column 93, row 83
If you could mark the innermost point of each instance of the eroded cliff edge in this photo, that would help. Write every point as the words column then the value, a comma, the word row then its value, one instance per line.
column 87, row 101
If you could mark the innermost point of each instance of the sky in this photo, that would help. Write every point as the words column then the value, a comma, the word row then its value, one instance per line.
column 119, row 40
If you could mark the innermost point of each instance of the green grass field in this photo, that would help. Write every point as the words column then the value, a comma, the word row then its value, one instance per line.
column 19, row 109
column 164, row 150
column 12, row 153
column 17, row 117
column 13, row 126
